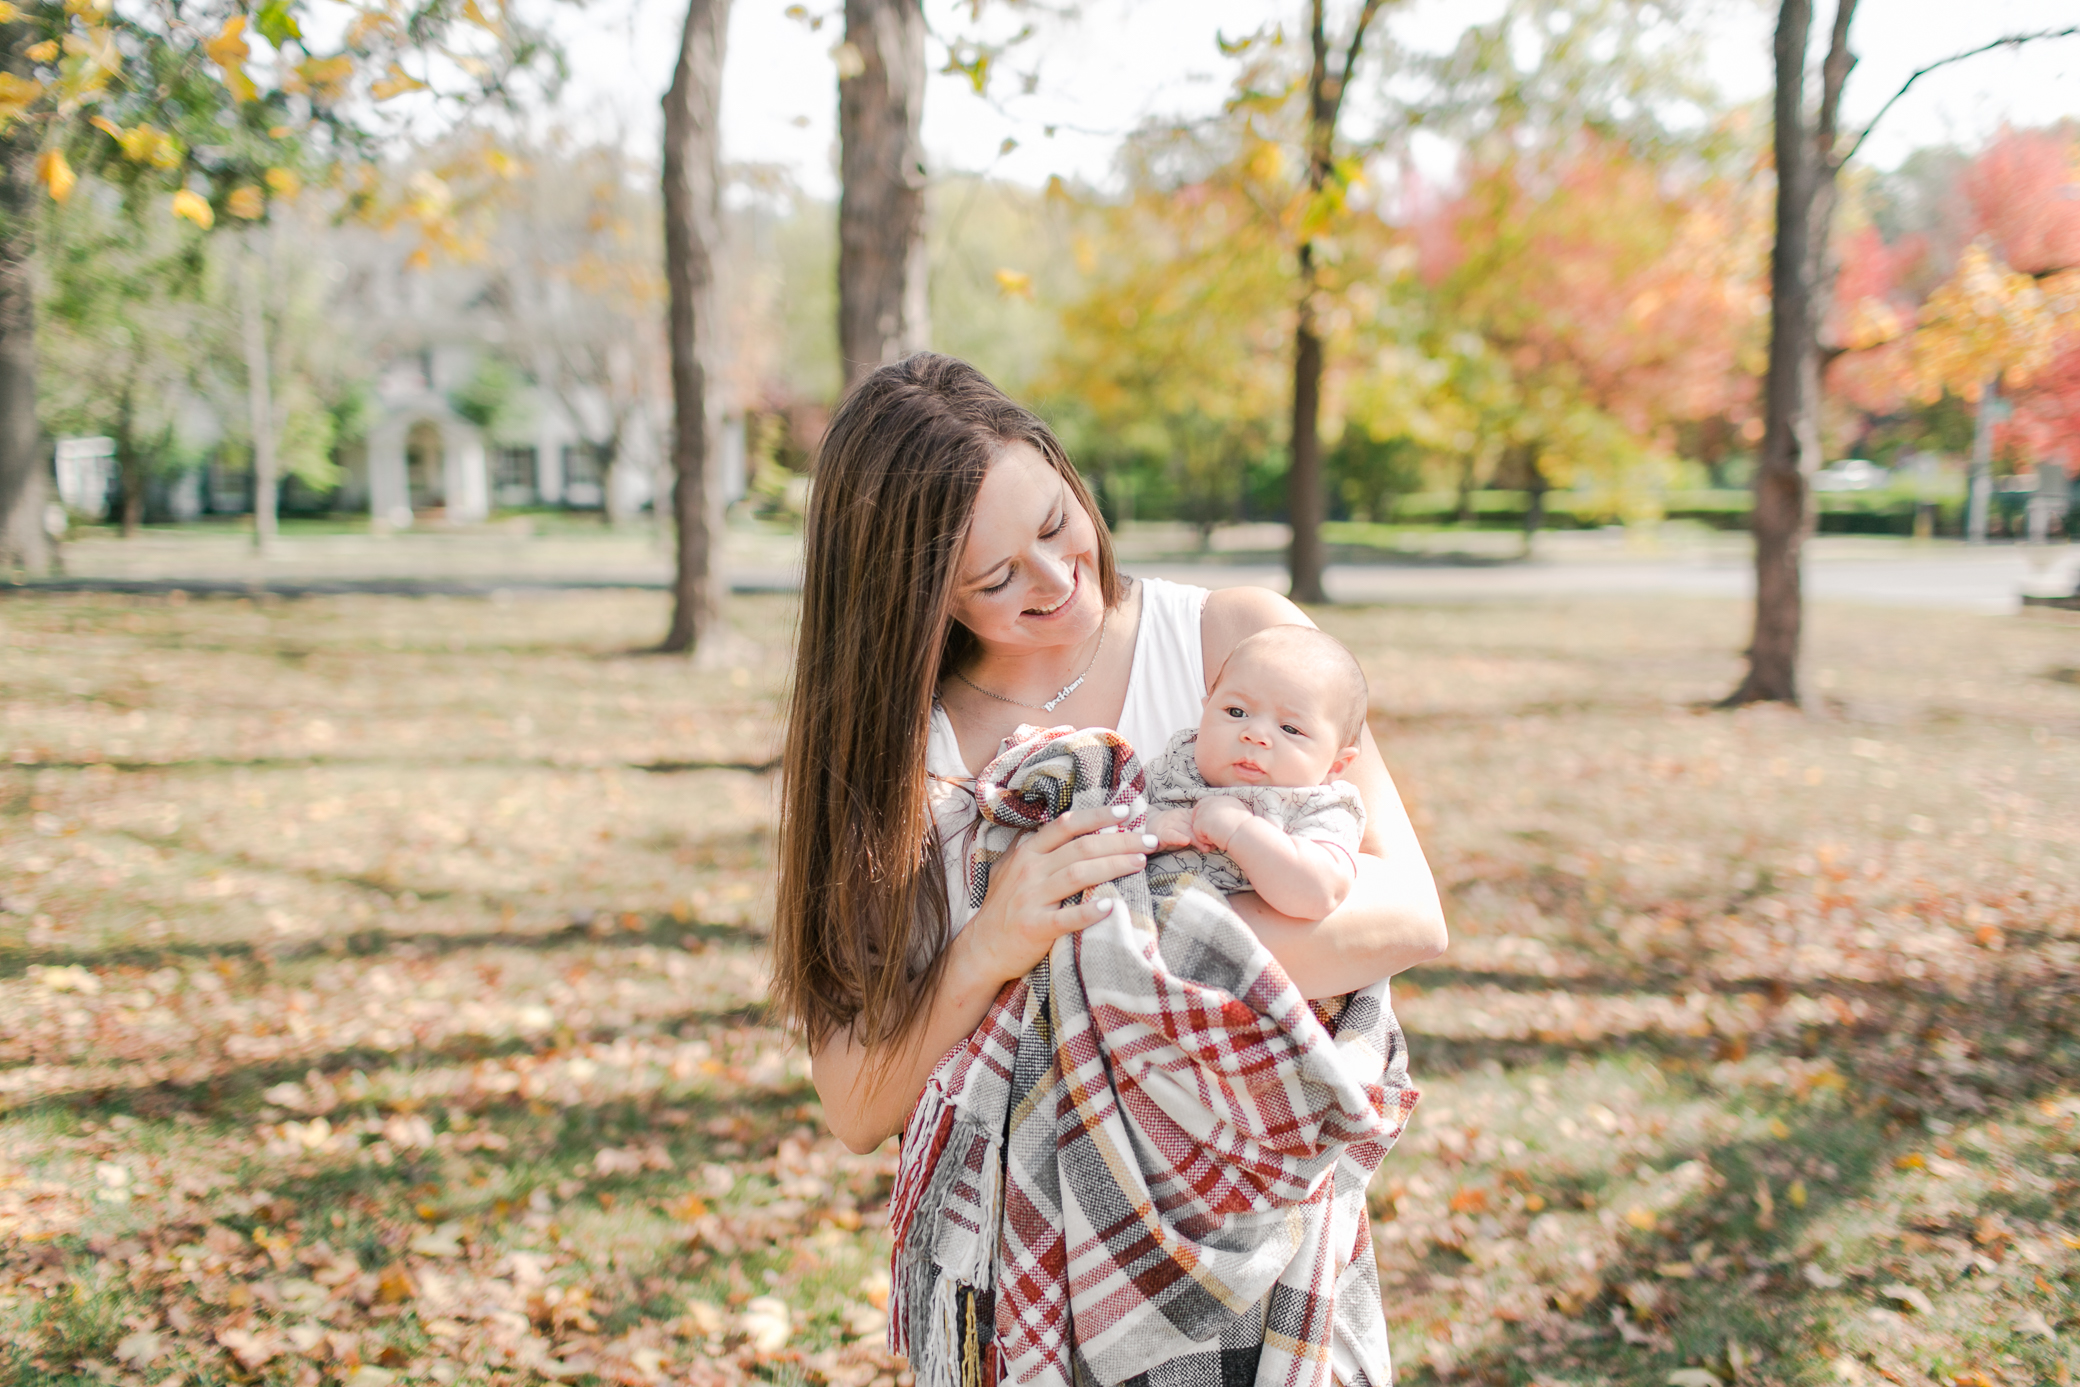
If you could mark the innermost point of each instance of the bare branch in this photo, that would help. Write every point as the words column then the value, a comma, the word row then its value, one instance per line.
column 1350, row 58
column 1834, row 77
column 2010, row 41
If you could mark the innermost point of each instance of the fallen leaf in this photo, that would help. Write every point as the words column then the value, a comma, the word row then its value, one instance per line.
column 1627, row 1330
column 140, row 1348
column 766, row 1324
column 1909, row 1296
column 250, row 1349
column 1692, row 1377
column 396, row 1286
column 444, row 1240
column 1815, row 1276
column 2033, row 1323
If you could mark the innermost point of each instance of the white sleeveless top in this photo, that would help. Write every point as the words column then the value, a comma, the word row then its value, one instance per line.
column 1166, row 685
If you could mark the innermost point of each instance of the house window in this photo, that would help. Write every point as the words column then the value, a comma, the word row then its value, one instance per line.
column 584, row 476
column 513, row 476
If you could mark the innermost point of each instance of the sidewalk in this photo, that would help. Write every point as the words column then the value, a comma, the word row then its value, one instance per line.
column 1435, row 567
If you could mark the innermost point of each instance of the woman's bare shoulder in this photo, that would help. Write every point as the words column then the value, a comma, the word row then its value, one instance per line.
column 1234, row 614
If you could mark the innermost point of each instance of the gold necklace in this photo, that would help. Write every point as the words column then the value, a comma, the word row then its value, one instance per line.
column 1069, row 688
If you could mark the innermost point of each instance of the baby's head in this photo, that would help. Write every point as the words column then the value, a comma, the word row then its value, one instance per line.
column 1286, row 709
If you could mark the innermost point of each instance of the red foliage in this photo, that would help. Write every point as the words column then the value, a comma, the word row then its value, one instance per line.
column 2046, row 424
column 2024, row 192
column 1607, row 275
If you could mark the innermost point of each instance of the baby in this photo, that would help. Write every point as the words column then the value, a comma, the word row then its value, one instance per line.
column 1250, row 801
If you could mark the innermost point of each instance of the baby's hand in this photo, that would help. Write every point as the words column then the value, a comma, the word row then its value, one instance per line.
column 1215, row 820
column 1172, row 828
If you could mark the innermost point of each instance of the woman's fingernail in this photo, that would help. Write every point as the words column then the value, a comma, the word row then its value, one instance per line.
column 1148, row 840
column 1120, row 811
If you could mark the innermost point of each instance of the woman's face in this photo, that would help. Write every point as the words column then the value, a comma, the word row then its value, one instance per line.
column 1028, row 576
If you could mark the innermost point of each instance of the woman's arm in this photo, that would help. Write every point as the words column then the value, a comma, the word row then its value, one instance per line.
column 869, row 1090
column 1392, row 918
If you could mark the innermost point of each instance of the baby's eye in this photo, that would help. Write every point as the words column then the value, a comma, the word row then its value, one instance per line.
column 1235, row 712
column 1290, row 730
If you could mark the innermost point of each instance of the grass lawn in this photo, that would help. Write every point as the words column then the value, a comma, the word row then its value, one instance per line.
column 381, row 979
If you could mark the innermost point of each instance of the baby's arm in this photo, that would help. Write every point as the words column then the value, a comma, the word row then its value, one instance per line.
column 1295, row 876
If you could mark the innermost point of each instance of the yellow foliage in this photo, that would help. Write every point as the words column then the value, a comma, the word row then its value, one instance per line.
column 284, row 182
column 1988, row 323
column 324, row 79
column 8, row 13
column 148, row 144
column 192, row 206
column 17, row 94
column 247, row 203
column 395, row 82
column 57, row 175
column 44, row 52
column 1014, row 284
column 229, row 51
column 372, row 24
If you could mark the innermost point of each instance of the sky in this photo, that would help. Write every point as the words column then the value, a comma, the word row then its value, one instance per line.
column 1115, row 63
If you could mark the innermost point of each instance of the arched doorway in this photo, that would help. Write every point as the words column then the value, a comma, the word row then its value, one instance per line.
column 425, row 466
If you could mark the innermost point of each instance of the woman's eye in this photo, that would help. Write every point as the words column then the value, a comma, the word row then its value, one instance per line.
column 1059, row 526
column 998, row 586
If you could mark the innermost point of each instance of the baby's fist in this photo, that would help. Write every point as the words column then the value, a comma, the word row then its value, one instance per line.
column 1215, row 820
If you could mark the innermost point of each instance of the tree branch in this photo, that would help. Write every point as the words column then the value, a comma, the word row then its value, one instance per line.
column 1350, row 58
column 2010, row 41
column 1834, row 77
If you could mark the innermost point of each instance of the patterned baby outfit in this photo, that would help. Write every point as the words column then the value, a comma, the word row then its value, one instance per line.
column 1332, row 813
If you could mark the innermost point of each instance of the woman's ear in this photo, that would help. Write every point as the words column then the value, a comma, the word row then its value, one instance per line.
column 1343, row 760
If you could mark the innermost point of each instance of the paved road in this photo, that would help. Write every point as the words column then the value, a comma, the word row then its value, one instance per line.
column 1457, row 568
column 1958, row 579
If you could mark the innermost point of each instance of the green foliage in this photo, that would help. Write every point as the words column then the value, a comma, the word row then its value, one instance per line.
column 493, row 398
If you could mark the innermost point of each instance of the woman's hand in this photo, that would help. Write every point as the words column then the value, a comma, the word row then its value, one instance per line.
column 867, row 1101
column 1023, row 914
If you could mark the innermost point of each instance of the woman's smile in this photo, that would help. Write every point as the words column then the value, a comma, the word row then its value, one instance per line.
column 1055, row 608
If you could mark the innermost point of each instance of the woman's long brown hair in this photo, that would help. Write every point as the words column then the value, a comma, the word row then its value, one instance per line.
column 862, row 920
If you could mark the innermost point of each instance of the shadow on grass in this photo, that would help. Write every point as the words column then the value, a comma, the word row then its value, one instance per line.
column 598, row 930
column 1928, row 1062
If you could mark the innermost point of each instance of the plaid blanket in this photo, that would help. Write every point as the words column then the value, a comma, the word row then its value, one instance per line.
column 1148, row 1163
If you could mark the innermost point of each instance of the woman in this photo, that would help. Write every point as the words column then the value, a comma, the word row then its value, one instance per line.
column 958, row 582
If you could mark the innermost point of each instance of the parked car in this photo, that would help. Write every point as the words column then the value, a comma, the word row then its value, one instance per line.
column 1851, row 474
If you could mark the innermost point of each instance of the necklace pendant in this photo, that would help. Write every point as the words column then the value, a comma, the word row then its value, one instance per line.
column 1064, row 694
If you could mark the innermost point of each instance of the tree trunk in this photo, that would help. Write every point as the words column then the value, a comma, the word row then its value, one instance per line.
column 259, row 406
column 129, row 468
column 1535, row 512
column 692, row 230
column 1304, row 475
column 883, row 274
column 1806, row 167
column 24, row 547
column 1979, row 484
column 1326, row 85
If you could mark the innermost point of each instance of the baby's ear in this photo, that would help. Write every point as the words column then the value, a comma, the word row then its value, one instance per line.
column 1343, row 760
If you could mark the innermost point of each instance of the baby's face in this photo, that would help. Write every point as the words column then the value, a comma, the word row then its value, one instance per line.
column 1263, row 726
